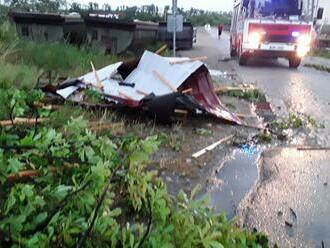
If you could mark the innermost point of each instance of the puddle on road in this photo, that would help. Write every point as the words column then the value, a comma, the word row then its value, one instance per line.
column 234, row 180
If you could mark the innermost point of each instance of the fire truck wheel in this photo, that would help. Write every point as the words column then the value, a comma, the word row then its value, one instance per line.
column 242, row 60
column 233, row 52
column 294, row 62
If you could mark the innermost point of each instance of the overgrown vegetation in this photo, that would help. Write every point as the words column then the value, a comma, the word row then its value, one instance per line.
column 62, row 58
column 253, row 95
column 296, row 121
column 318, row 67
column 71, row 187
column 64, row 185
column 321, row 53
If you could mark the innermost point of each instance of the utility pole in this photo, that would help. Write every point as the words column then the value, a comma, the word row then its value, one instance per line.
column 174, row 10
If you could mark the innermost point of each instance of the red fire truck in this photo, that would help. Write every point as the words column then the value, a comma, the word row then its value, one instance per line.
column 272, row 28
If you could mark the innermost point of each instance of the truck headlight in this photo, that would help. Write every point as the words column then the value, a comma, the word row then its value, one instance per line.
column 255, row 38
column 304, row 40
column 302, row 50
column 304, row 45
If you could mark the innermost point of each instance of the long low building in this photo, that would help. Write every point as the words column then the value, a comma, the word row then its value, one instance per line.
column 115, row 36
column 49, row 27
column 118, row 36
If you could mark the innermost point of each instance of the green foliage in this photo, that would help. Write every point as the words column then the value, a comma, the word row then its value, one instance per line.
column 265, row 137
column 253, row 95
column 296, row 121
column 16, row 102
column 61, row 58
column 203, row 131
column 201, row 17
column 56, row 209
column 318, row 67
column 84, row 181
column 49, row 6
column 321, row 53
column 18, row 76
column 3, row 13
column 93, row 96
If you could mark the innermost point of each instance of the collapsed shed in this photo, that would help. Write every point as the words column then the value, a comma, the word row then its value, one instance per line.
column 158, row 85
column 118, row 36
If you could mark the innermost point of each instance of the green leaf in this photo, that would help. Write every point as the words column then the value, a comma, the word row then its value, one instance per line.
column 14, row 165
column 10, row 202
column 214, row 244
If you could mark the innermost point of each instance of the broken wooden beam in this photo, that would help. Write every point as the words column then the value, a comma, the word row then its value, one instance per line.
column 313, row 148
column 30, row 174
column 161, row 49
column 187, row 91
column 23, row 121
column 140, row 92
column 125, row 96
column 203, row 58
column 99, row 127
column 98, row 81
column 165, row 81
column 212, row 147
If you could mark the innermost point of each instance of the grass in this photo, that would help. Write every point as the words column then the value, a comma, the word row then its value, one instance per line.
column 321, row 53
column 19, row 75
column 62, row 58
column 318, row 67
column 253, row 95
column 296, row 121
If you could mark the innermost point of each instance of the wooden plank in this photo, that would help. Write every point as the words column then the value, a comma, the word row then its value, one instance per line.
column 23, row 121
column 212, row 147
column 165, row 81
column 98, row 81
column 161, row 49
column 204, row 58
column 125, row 96
column 181, row 111
column 140, row 92
column 187, row 91
column 311, row 148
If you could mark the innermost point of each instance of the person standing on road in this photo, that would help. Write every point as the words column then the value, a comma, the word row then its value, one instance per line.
column 220, row 29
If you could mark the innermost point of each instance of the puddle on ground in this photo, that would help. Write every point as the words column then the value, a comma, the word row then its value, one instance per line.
column 234, row 180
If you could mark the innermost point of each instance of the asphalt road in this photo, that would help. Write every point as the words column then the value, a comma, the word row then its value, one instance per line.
column 291, row 201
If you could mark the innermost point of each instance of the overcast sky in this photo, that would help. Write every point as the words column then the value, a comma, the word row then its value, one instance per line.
column 215, row 5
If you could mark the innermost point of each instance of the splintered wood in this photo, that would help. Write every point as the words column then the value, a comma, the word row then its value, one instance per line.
column 98, row 83
column 183, row 61
column 212, row 147
column 165, row 81
column 22, row 121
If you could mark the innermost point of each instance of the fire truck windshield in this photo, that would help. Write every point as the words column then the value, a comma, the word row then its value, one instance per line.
column 278, row 7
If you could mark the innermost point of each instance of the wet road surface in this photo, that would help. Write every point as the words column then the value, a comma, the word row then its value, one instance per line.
column 291, row 201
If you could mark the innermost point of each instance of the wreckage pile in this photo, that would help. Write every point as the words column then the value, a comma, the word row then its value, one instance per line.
column 154, row 84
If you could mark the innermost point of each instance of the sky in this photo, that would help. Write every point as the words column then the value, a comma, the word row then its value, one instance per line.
column 215, row 5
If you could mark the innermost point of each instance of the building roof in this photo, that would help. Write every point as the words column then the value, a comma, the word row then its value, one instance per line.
column 119, row 24
column 44, row 18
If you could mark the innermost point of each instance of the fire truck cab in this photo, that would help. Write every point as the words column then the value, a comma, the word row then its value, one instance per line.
column 273, row 29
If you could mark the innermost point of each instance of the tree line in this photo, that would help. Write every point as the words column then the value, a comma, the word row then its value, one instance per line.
column 145, row 13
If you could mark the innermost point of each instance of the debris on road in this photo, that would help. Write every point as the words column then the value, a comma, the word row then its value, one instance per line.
column 212, row 147
column 155, row 84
